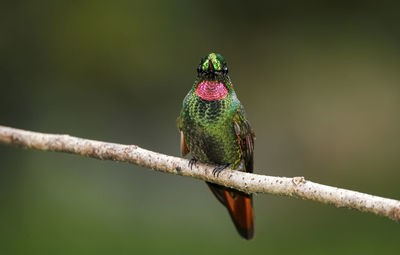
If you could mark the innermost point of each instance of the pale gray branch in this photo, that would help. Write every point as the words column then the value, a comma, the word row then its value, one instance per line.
column 247, row 182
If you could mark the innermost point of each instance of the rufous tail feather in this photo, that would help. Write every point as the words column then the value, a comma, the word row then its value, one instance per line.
column 240, row 207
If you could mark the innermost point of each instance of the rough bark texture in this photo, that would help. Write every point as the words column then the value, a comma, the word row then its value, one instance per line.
column 246, row 182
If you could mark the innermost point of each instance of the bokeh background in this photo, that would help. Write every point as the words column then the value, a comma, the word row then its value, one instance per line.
column 320, row 82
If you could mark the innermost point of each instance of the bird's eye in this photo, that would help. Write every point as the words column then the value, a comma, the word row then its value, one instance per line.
column 225, row 70
column 199, row 69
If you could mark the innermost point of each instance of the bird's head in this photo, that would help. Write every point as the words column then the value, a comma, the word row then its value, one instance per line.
column 213, row 82
column 212, row 67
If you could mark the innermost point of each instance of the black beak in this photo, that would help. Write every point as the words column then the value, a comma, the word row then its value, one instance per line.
column 210, row 66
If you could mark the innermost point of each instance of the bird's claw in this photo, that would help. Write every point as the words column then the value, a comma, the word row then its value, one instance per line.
column 192, row 162
column 218, row 169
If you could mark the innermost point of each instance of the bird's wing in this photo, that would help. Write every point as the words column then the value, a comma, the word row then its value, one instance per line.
column 184, row 147
column 246, row 136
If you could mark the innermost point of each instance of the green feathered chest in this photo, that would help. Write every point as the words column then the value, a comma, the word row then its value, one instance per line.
column 209, row 130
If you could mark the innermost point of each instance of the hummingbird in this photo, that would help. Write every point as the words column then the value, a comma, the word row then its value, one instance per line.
column 214, row 130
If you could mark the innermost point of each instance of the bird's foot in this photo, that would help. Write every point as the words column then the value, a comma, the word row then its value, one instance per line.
column 218, row 169
column 192, row 162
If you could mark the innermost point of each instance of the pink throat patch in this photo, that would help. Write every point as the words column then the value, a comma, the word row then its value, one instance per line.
column 211, row 90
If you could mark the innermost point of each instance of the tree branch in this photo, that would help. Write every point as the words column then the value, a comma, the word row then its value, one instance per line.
column 246, row 182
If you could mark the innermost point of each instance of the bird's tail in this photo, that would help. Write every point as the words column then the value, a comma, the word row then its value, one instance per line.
column 240, row 207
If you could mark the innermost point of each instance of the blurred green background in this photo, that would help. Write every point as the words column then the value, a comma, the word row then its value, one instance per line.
column 320, row 82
